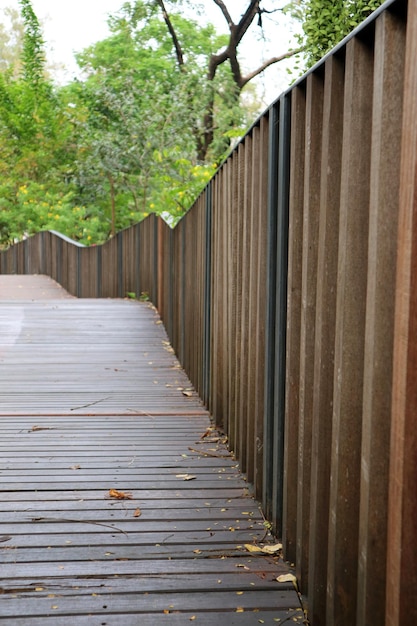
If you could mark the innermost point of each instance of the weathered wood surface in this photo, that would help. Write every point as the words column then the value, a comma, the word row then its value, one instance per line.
column 92, row 399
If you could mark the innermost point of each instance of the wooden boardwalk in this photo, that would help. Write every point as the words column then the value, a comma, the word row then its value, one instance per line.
column 93, row 404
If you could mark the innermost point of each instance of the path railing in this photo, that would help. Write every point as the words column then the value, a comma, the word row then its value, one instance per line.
column 289, row 294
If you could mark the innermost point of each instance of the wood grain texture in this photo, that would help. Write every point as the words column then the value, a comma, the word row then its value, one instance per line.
column 402, row 533
column 325, row 333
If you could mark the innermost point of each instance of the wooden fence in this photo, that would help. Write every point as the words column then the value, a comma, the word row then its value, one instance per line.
column 289, row 292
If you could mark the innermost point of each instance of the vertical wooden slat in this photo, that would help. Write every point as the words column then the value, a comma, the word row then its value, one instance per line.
column 402, row 527
column 312, row 163
column 253, row 278
column 350, row 333
column 238, row 207
column 245, row 329
column 260, row 291
column 384, row 193
column 295, row 239
column 217, row 318
column 325, row 335
column 233, row 287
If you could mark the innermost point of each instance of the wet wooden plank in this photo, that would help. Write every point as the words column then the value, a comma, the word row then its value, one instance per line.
column 93, row 399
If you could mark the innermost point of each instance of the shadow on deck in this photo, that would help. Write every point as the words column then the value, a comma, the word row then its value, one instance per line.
column 92, row 400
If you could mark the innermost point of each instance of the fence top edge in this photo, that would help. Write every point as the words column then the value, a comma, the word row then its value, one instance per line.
column 317, row 67
column 65, row 238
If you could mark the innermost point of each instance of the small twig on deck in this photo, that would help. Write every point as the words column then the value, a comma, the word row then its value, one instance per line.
column 84, row 406
column 76, row 521
column 216, row 456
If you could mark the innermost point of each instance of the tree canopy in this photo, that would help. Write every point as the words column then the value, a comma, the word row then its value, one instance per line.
column 156, row 109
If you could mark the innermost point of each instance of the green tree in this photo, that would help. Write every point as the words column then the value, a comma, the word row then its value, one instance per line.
column 35, row 137
column 164, row 107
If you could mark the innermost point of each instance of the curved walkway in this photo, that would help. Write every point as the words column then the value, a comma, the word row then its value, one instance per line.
column 118, row 504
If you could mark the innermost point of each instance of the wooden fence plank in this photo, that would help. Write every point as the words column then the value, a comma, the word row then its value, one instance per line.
column 294, row 321
column 378, row 357
column 350, row 333
column 328, row 239
column 311, row 209
column 402, row 510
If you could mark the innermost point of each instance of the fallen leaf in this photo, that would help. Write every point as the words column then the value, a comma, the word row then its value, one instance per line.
column 39, row 589
column 239, row 593
column 287, row 578
column 240, row 609
column 75, row 467
column 187, row 394
column 272, row 549
column 119, row 495
column 197, row 551
column 192, row 618
column 250, row 548
column 207, row 433
column 137, row 513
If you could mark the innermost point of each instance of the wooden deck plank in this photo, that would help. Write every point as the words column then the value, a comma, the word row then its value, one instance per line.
column 92, row 399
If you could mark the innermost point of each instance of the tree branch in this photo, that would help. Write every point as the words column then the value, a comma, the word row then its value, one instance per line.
column 225, row 12
column 268, row 63
column 237, row 32
column 246, row 20
column 177, row 46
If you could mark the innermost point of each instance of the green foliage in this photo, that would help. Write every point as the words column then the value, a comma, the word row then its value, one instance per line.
column 142, row 131
column 35, row 144
column 33, row 55
column 34, row 207
column 145, row 116
column 326, row 22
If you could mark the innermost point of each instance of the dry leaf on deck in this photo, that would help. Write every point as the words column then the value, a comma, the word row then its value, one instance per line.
column 137, row 513
column 287, row 578
column 272, row 549
column 250, row 548
column 120, row 495
column 186, row 476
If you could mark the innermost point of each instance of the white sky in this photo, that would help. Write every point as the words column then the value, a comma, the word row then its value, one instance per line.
column 71, row 25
